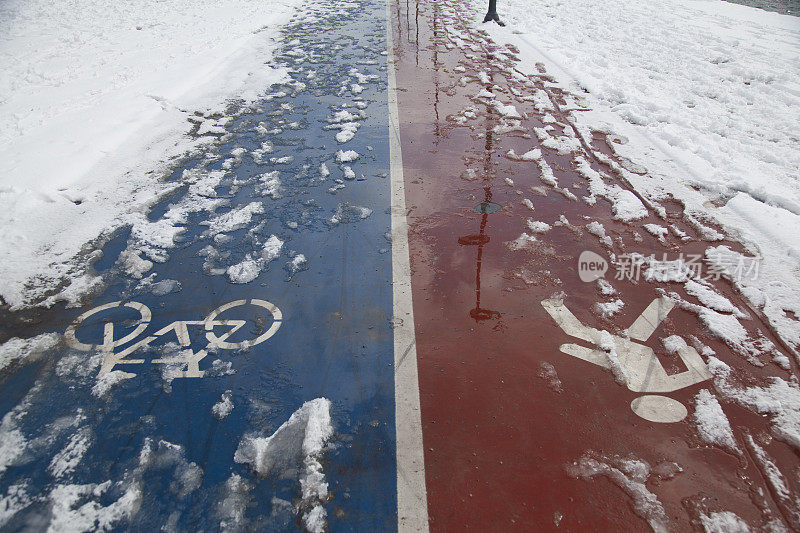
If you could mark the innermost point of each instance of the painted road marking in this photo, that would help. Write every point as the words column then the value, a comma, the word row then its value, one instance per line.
column 412, row 498
column 188, row 358
column 108, row 333
column 210, row 323
column 642, row 370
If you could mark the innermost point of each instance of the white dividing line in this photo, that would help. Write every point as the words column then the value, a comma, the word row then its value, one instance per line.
column 412, row 498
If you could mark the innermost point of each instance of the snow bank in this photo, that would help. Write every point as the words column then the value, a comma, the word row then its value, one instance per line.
column 95, row 100
column 702, row 96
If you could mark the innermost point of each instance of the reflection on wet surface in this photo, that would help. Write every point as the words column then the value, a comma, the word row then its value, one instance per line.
column 485, row 208
column 478, row 132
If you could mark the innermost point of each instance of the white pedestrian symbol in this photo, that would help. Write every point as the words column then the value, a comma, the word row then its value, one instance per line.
column 642, row 370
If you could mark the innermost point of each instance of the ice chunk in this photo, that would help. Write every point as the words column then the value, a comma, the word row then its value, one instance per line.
column 346, row 157
column 244, row 272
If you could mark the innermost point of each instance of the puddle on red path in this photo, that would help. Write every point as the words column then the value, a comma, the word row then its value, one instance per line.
column 500, row 430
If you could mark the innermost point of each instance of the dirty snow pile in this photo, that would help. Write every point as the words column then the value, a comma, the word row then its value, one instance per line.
column 94, row 99
column 703, row 94
column 296, row 448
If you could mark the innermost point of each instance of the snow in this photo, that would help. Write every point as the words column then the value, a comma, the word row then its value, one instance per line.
column 506, row 110
column 347, row 132
column 562, row 144
column 346, row 156
column 537, row 226
column 298, row 263
column 224, row 406
column 714, row 82
column 271, row 184
column 626, row 205
column 93, row 99
column 702, row 98
column 244, row 272
column 779, row 399
column 723, row 522
column 673, row 343
column 164, row 455
column 348, row 213
column 774, row 290
column 220, row 368
column 712, row 424
column 599, row 231
column 104, row 506
column 345, row 116
column 606, row 289
column 69, row 515
column 15, row 500
column 108, row 381
column 609, row 309
column 234, row 219
column 24, row 351
column 710, row 298
column 134, row 264
column 67, row 459
column 548, row 373
column 295, row 448
column 234, row 503
column 164, row 287
column 272, row 248
column 665, row 271
column 258, row 154
column 523, row 242
column 730, row 330
column 657, row 231
column 629, row 475
column 775, row 478
column 605, row 341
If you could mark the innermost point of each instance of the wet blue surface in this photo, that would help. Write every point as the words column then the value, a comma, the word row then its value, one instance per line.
column 335, row 339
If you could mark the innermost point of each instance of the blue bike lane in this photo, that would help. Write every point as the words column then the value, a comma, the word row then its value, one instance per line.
column 237, row 371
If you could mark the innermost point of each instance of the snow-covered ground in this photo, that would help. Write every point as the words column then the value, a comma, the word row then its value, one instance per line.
column 703, row 93
column 95, row 99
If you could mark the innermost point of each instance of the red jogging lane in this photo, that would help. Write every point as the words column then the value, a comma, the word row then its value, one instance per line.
column 517, row 433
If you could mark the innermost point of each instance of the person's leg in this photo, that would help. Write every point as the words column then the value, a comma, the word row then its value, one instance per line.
column 492, row 13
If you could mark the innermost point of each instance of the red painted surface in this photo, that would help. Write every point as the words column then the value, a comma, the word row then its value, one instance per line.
column 499, row 436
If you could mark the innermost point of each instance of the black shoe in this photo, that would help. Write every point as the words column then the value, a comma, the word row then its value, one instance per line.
column 493, row 17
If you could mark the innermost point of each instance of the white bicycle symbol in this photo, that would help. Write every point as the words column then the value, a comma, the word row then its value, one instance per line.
column 187, row 362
